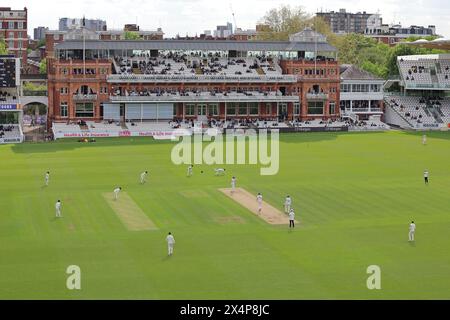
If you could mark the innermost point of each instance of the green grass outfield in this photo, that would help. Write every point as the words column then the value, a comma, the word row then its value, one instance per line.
column 355, row 195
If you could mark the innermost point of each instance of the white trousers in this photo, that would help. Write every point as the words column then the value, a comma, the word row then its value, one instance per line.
column 287, row 208
column 170, row 249
column 58, row 213
column 411, row 235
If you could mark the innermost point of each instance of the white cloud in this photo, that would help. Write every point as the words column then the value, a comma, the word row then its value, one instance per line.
column 195, row 16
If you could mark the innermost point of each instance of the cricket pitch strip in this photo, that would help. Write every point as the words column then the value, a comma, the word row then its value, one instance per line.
column 269, row 214
column 131, row 215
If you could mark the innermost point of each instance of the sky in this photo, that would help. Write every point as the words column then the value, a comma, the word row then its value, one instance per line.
column 195, row 16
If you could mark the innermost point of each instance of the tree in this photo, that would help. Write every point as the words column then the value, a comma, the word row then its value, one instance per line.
column 43, row 66
column 283, row 22
column 132, row 35
column 3, row 48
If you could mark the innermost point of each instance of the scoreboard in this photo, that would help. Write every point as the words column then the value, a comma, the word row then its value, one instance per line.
column 7, row 72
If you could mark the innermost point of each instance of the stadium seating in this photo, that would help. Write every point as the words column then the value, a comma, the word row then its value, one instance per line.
column 10, row 132
column 425, row 71
column 413, row 109
column 178, row 63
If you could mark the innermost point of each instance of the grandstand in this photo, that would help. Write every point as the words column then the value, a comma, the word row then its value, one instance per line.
column 201, row 82
column 424, row 103
column 10, row 109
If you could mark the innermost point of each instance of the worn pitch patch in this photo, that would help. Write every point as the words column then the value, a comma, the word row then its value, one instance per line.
column 131, row 215
column 269, row 213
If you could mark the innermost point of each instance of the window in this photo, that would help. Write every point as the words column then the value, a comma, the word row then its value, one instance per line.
column 332, row 107
column 213, row 110
column 231, row 109
column 296, row 108
column 64, row 90
column 11, row 35
column 201, row 110
column 84, row 110
column 103, row 90
column 190, row 110
column 11, row 25
column 268, row 108
column 315, row 107
column 243, row 109
column 63, row 110
column 254, row 109
column 20, row 25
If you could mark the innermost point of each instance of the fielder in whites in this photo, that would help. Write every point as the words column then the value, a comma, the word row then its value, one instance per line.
column 58, row 209
column 412, row 232
column 170, row 243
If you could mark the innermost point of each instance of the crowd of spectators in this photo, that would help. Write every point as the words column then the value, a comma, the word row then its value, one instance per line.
column 6, row 128
column 178, row 63
column 6, row 96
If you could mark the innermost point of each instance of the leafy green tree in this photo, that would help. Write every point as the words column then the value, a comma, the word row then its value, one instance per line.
column 43, row 66
column 3, row 48
column 132, row 35
column 284, row 21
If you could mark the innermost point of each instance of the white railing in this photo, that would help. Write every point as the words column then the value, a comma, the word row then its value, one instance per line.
column 205, row 98
column 84, row 97
column 364, row 110
column 144, row 78
column 317, row 96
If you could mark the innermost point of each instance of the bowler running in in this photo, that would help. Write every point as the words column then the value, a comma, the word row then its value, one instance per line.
column 116, row 193
column 144, row 177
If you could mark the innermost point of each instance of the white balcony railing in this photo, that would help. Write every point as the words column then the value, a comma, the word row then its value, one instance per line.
column 317, row 96
column 206, row 98
column 84, row 97
column 141, row 78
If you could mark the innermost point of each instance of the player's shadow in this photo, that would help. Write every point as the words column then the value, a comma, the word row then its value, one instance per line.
column 412, row 244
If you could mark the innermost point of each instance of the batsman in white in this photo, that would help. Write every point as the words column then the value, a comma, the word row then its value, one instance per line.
column 58, row 209
column 287, row 204
column 424, row 140
column 412, row 232
column 116, row 193
column 259, row 200
column 233, row 185
column 170, row 243
column 144, row 177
